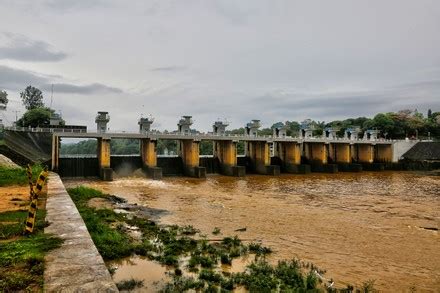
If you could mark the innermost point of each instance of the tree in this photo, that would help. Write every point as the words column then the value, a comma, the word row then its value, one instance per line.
column 32, row 98
column 37, row 117
column 429, row 113
column 3, row 99
column 384, row 123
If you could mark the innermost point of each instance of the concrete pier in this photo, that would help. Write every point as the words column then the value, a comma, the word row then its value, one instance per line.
column 55, row 153
column 290, row 156
column 149, row 158
column 315, row 152
column 364, row 153
column 76, row 266
column 340, row 153
column 226, row 152
column 383, row 153
column 189, row 152
column 105, row 172
column 259, row 154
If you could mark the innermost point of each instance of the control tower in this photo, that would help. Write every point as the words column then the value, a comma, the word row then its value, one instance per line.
column 352, row 133
column 371, row 134
column 307, row 128
column 55, row 119
column 252, row 128
column 101, row 121
column 219, row 127
column 330, row 133
column 145, row 124
column 280, row 130
column 184, row 125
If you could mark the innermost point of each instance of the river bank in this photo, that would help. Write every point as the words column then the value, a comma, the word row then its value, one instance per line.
column 22, row 262
column 355, row 226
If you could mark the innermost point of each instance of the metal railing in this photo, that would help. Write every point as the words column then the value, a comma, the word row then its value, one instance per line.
column 44, row 129
column 197, row 135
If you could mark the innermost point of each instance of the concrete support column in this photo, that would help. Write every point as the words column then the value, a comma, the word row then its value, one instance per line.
column 226, row 152
column 149, row 158
column 259, row 155
column 290, row 155
column 105, row 172
column 365, row 153
column 340, row 153
column 189, row 151
column 384, row 153
column 315, row 152
column 55, row 152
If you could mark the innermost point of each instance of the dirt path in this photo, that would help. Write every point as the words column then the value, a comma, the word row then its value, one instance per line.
column 13, row 198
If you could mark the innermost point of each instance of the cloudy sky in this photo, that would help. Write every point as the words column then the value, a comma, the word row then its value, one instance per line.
column 273, row 60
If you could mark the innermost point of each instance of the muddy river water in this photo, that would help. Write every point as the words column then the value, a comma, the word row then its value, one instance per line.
column 357, row 226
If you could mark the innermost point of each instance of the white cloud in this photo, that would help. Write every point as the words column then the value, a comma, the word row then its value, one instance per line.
column 273, row 60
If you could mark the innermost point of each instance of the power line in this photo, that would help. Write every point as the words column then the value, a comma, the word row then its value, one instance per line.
column 51, row 98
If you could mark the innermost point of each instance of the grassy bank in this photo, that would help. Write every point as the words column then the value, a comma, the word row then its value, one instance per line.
column 22, row 257
column 17, row 176
column 192, row 259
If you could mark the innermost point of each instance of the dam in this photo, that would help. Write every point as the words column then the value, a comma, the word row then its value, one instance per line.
column 263, row 154
column 267, row 155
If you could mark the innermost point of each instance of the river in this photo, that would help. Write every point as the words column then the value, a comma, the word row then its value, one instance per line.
column 380, row 226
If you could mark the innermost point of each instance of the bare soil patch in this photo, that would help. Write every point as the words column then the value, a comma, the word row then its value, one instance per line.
column 13, row 198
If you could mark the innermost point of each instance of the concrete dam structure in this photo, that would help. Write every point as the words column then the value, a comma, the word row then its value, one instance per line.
column 268, row 155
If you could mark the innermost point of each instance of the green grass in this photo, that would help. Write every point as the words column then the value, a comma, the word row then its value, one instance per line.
column 17, row 176
column 22, row 258
column 110, row 242
column 12, row 223
column 22, row 262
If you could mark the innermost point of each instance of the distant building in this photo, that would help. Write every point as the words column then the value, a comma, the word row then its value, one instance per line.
column 184, row 125
column 101, row 121
column 252, row 128
column 55, row 119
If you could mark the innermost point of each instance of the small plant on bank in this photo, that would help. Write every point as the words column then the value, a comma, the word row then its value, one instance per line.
column 216, row 231
column 128, row 285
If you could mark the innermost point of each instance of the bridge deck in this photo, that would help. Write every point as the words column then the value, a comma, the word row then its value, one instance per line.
column 200, row 137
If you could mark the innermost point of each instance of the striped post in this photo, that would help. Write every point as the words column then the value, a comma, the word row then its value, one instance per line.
column 31, row 184
column 35, row 193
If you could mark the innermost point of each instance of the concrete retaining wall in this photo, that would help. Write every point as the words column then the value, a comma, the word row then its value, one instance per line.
column 77, row 265
column 401, row 147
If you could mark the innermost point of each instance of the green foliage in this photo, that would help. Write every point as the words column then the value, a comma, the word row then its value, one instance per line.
column 3, row 99
column 84, row 147
column 206, row 147
column 32, row 98
column 128, row 285
column 182, row 284
column 258, row 249
column 166, row 145
column 36, row 117
column 124, row 146
column 17, row 176
column 216, row 231
column 90, row 147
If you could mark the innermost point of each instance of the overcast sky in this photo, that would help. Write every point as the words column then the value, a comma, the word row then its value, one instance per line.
column 236, row 59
